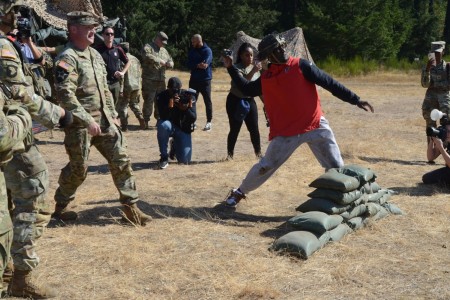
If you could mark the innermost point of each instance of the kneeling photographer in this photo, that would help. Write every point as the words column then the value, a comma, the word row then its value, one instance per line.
column 177, row 115
column 439, row 145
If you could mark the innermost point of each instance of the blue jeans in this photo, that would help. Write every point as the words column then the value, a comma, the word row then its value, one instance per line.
column 182, row 141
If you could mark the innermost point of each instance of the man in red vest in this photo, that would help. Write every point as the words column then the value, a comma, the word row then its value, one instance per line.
column 293, row 109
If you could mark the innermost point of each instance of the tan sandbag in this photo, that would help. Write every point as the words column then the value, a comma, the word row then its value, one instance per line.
column 299, row 243
column 315, row 221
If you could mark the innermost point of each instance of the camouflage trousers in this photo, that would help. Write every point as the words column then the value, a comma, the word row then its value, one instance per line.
column 111, row 144
column 131, row 99
column 151, row 88
column 439, row 99
column 6, row 232
column 27, row 181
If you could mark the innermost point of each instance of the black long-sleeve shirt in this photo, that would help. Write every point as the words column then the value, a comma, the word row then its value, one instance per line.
column 311, row 72
column 184, row 119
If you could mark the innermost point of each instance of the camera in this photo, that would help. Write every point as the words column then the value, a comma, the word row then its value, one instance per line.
column 441, row 131
column 23, row 27
column 186, row 96
column 227, row 52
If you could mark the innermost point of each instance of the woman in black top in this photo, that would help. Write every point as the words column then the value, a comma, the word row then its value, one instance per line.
column 438, row 147
column 236, row 101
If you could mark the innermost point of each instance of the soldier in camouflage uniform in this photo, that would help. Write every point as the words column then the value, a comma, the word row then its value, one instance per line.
column 435, row 77
column 156, row 60
column 81, row 86
column 14, row 127
column 26, row 174
column 131, row 90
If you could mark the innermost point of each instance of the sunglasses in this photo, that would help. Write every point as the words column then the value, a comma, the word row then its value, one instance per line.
column 109, row 34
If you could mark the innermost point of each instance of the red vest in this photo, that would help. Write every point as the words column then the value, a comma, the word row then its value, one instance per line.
column 292, row 102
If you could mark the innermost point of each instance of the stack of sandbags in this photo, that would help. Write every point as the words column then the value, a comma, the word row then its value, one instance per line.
column 345, row 199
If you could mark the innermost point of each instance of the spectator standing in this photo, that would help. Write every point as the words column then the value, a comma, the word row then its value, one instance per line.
column 177, row 117
column 155, row 60
column 131, row 95
column 242, row 108
column 82, row 88
column 199, row 62
column 113, row 56
column 293, row 108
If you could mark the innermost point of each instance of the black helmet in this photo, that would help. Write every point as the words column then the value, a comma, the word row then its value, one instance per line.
column 268, row 44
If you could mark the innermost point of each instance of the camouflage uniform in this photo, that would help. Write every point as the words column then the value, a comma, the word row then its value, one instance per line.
column 153, row 76
column 81, row 87
column 131, row 91
column 14, row 127
column 27, row 173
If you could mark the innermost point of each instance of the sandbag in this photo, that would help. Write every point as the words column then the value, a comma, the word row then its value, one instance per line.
column 393, row 209
column 323, row 205
column 373, row 208
column 357, row 222
column 354, row 212
column 339, row 232
column 336, row 196
column 334, row 180
column 315, row 221
column 300, row 243
column 376, row 196
column 324, row 238
column 370, row 188
column 362, row 174
column 381, row 214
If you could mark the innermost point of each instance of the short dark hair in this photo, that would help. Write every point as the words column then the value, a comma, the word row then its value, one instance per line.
column 106, row 28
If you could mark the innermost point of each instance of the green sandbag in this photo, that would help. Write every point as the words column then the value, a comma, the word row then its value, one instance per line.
column 373, row 208
column 299, row 243
column 315, row 221
column 339, row 232
column 377, row 196
column 323, row 205
column 325, row 238
column 370, row 188
column 362, row 174
column 381, row 214
column 393, row 209
column 335, row 181
column 357, row 222
column 354, row 212
column 336, row 196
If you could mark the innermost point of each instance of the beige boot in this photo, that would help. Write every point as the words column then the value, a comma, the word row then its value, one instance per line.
column 22, row 285
column 134, row 215
column 63, row 213
column 7, row 276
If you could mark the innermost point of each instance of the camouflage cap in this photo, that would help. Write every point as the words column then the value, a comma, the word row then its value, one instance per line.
column 7, row 5
column 161, row 35
column 81, row 18
column 437, row 46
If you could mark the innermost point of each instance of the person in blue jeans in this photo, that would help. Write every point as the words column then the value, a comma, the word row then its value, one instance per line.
column 177, row 115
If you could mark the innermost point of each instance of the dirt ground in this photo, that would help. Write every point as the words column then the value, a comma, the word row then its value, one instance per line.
column 191, row 251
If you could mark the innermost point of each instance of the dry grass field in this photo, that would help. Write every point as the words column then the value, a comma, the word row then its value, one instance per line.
column 191, row 251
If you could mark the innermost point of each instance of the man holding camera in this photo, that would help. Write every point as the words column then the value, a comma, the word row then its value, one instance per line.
column 293, row 107
column 439, row 145
column 177, row 115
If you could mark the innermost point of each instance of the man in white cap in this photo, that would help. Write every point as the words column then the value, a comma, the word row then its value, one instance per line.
column 435, row 77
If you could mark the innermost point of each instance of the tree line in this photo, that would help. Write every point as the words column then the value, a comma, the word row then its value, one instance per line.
column 371, row 29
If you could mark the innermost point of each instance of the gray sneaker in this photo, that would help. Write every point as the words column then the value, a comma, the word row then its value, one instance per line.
column 207, row 127
column 234, row 197
column 163, row 163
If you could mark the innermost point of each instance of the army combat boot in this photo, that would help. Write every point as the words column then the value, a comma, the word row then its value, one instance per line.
column 142, row 123
column 63, row 213
column 134, row 215
column 22, row 285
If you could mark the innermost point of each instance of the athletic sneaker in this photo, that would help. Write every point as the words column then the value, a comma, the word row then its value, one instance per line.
column 163, row 163
column 207, row 126
column 234, row 197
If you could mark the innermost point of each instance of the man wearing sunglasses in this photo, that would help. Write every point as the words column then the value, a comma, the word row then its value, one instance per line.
column 293, row 109
column 113, row 56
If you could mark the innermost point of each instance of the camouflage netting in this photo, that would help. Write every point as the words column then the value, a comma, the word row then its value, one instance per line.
column 53, row 12
column 296, row 44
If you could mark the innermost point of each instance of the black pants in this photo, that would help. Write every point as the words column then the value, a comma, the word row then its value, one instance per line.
column 440, row 176
column 251, row 121
column 204, row 88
